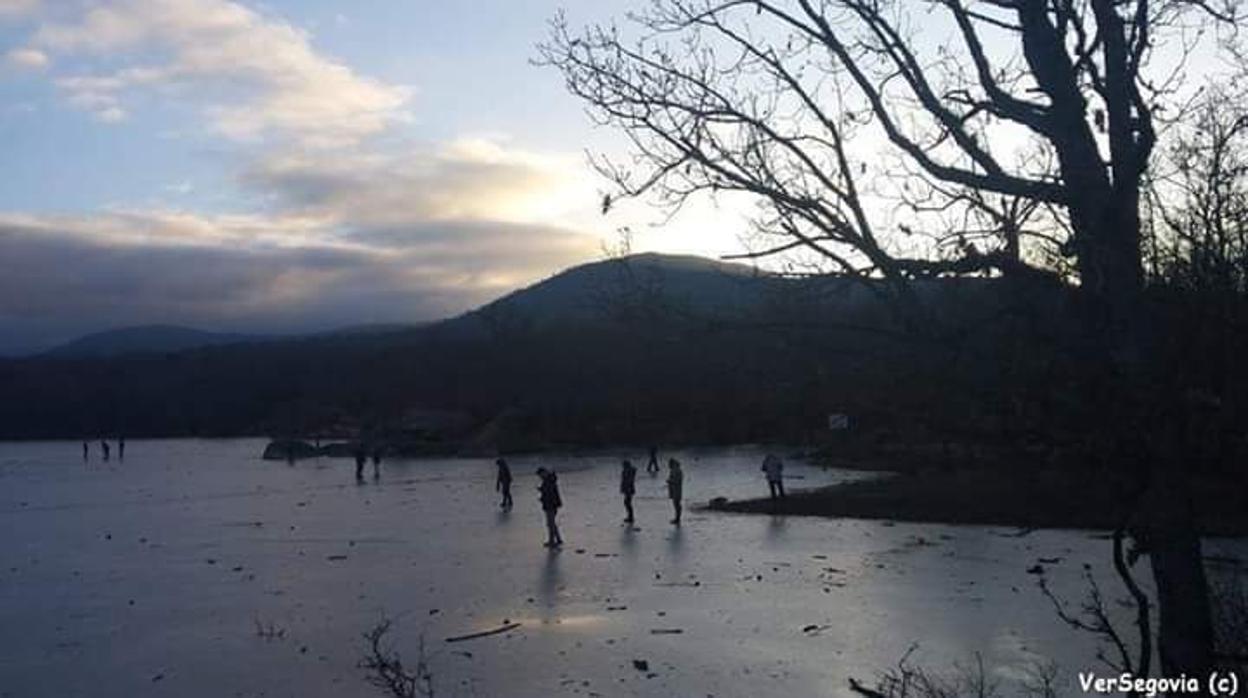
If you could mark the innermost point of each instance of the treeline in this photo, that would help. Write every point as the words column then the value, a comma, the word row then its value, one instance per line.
column 631, row 366
column 1000, row 369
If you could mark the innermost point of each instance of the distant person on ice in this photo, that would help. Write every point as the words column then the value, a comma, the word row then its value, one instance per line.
column 675, row 486
column 628, row 487
column 652, row 466
column 549, row 489
column 503, row 483
column 104, row 447
column 376, row 463
column 86, row 451
column 360, row 460
column 121, row 448
column 773, row 467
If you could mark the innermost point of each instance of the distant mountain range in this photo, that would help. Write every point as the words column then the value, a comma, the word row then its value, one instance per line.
column 580, row 293
column 169, row 339
column 145, row 339
column 643, row 347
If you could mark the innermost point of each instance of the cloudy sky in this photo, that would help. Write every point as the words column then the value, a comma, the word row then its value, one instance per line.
column 291, row 165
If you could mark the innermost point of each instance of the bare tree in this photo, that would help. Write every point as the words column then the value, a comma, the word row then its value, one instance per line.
column 1094, row 616
column 1201, row 198
column 386, row 670
column 906, row 680
column 1018, row 137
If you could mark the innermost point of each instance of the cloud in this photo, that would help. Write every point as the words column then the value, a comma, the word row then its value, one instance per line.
column 350, row 222
column 64, row 273
column 367, row 238
column 17, row 8
column 27, row 59
column 259, row 76
column 468, row 179
column 181, row 188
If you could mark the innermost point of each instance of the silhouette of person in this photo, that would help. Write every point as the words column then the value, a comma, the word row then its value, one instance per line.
column 549, row 490
column 628, row 487
column 652, row 466
column 104, row 447
column 376, row 463
column 360, row 460
column 86, row 451
column 503, row 483
column 675, row 486
column 121, row 448
column 774, row 468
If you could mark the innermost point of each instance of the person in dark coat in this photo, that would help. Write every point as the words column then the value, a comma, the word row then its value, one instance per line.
column 773, row 468
column 652, row 466
column 551, row 502
column 503, row 483
column 86, row 451
column 675, row 487
column 628, row 487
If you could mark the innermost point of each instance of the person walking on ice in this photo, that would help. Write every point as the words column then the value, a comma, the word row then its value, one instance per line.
column 628, row 487
column 773, row 467
column 503, row 483
column 675, row 486
column 549, row 491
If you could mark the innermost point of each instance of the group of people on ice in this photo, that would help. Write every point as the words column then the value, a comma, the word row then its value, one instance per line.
column 105, row 449
column 551, row 501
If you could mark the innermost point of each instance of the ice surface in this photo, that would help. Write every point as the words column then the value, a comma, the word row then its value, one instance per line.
column 149, row 577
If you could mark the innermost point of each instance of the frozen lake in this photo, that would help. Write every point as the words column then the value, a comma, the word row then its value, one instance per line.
column 148, row 578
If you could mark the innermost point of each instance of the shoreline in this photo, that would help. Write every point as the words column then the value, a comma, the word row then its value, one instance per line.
column 1054, row 500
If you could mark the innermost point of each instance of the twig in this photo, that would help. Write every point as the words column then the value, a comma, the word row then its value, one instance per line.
column 856, row 686
column 485, row 633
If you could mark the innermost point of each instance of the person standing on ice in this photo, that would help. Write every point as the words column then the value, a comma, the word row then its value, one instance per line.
column 628, row 487
column 503, row 483
column 360, row 460
column 675, row 486
column 549, row 491
column 773, row 467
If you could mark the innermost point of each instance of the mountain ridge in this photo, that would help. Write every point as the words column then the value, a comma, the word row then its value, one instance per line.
column 562, row 295
column 148, row 338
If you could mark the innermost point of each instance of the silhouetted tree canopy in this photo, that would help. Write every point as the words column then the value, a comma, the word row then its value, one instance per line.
column 901, row 139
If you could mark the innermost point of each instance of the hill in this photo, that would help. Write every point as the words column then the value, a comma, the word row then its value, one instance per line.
column 145, row 339
column 633, row 349
column 634, row 288
column 172, row 339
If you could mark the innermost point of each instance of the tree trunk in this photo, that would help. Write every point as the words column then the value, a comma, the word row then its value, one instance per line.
column 1116, row 313
column 1185, row 631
